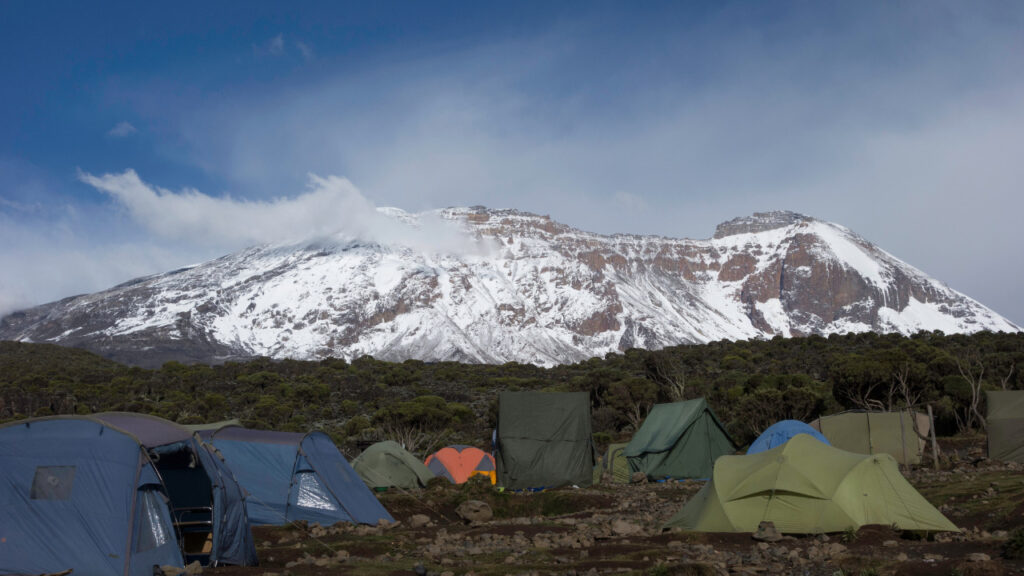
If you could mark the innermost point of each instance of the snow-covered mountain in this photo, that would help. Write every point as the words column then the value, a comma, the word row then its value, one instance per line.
column 542, row 293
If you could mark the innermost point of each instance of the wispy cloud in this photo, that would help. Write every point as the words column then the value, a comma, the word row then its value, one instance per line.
column 305, row 49
column 272, row 47
column 331, row 208
column 122, row 130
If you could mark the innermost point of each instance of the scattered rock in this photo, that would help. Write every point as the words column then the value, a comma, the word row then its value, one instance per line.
column 624, row 527
column 978, row 557
column 419, row 520
column 475, row 511
column 638, row 478
column 766, row 532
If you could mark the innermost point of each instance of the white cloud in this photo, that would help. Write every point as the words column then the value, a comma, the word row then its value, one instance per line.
column 330, row 208
column 305, row 49
column 122, row 130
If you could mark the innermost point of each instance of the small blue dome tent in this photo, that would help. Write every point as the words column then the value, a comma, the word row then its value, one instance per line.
column 77, row 493
column 779, row 433
column 292, row 476
column 207, row 504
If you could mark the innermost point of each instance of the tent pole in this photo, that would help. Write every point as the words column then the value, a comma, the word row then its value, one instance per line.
column 935, row 445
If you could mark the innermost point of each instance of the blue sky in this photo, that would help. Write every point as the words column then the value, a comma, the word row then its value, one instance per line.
column 903, row 121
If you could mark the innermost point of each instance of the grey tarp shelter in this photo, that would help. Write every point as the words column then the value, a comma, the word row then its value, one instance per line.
column 1005, row 425
column 544, row 440
column 292, row 476
column 678, row 440
column 387, row 465
column 78, row 493
column 208, row 506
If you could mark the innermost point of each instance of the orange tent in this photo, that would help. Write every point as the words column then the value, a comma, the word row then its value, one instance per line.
column 458, row 463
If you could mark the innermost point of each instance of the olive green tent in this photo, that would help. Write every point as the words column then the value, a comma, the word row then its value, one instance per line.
column 1005, row 425
column 678, row 440
column 388, row 465
column 544, row 440
column 613, row 465
column 877, row 433
column 806, row 487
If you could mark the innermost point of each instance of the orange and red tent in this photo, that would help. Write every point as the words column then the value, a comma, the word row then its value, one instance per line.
column 458, row 463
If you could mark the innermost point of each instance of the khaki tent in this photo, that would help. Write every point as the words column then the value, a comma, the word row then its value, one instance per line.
column 877, row 433
column 678, row 440
column 1005, row 425
column 544, row 440
column 388, row 465
column 613, row 466
column 806, row 487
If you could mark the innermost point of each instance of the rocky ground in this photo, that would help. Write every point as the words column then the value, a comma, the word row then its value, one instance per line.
column 617, row 529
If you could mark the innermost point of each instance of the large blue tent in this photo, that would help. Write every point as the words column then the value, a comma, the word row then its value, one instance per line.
column 292, row 476
column 77, row 493
column 779, row 433
column 207, row 504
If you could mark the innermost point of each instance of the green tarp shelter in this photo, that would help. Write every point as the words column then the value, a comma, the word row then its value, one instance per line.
column 678, row 440
column 388, row 465
column 1005, row 425
column 544, row 440
column 806, row 487
column 613, row 466
column 877, row 433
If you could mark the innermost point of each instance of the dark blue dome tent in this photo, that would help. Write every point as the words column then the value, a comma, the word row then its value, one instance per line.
column 208, row 505
column 77, row 493
column 291, row 476
column 779, row 433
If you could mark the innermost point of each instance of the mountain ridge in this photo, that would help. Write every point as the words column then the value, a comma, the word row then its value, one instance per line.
column 525, row 288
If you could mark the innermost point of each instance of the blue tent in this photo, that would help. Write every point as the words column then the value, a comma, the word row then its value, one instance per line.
column 208, row 505
column 292, row 476
column 76, row 493
column 779, row 433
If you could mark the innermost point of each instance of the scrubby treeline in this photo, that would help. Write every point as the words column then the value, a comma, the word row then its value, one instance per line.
column 749, row 385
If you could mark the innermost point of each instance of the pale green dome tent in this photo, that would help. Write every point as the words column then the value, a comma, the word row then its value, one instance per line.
column 388, row 465
column 678, row 440
column 613, row 465
column 806, row 487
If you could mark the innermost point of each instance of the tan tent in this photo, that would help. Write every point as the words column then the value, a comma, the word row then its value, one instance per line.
column 1005, row 425
column 806, row 487
column 877, row 433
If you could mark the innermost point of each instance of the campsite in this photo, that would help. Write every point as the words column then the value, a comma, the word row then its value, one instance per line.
column 550, row 484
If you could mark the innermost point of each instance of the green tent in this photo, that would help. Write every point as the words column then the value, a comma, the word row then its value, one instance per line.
column 544, row 440
column 680, row 440
column 806, row 487
column 613, row 464
column 388, row 465
column 877, row 433
column 1005, row 425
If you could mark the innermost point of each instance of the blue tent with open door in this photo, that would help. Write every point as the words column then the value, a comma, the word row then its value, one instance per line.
column 208, row 505
column 77, row 493
column 293, row 476
column 779, row 433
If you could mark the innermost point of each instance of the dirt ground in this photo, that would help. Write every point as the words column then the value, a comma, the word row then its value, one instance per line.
column 617, row 529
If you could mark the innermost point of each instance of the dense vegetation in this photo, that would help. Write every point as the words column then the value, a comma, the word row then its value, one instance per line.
column 749, row 385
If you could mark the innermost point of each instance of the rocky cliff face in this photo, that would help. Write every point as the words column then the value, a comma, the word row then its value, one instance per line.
column 542, row 293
